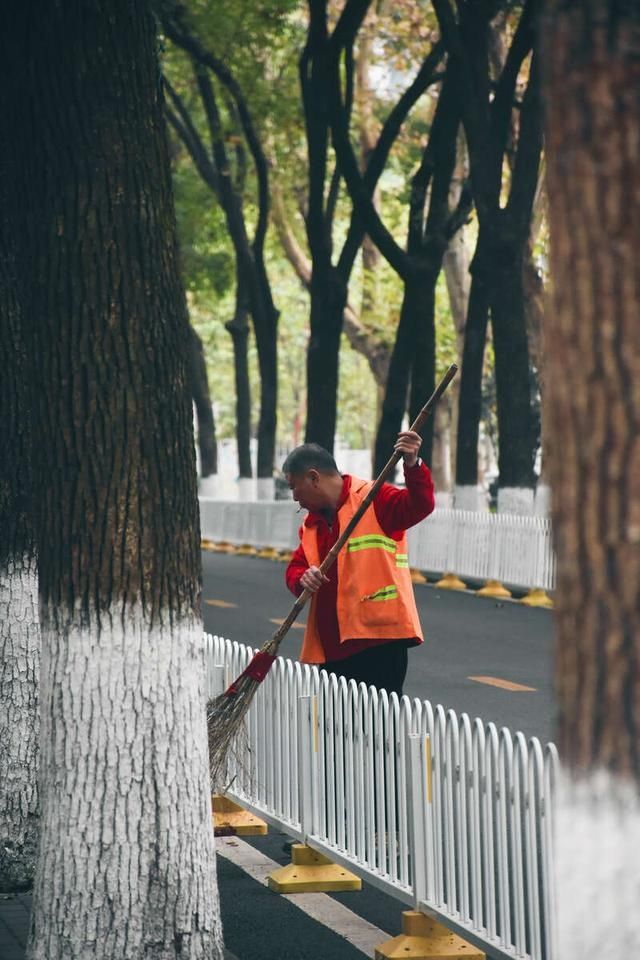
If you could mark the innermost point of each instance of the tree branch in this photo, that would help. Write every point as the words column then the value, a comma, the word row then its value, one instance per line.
column 239, row 150
column 486, row 125
column 346, row 29
column 178, row 33
column 463, row 209
column 376, row 353
column 359, row 192
column 426, row 76
column 502, row 104
column 524, row 180
column 183, row 126
column 214, row 123
column 311, row 66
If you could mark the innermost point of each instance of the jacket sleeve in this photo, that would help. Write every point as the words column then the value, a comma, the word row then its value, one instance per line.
column 397, row 509
column 295, row 568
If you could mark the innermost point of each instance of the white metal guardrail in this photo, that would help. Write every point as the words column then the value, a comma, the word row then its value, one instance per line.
column 515, row 550
column 446, row 814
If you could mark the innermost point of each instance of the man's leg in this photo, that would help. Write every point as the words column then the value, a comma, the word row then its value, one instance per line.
column 383, row 666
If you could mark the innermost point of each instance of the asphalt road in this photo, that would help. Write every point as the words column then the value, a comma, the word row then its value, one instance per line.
column 490, row 659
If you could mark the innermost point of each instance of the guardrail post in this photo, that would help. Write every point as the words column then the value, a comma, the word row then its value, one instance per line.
column 216, row 680
column 310, row 871
column 304, row 764
column 417, row 831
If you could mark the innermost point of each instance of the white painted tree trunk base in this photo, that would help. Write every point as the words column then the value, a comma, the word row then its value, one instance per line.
column 597, row 839
column 246, row 489
column 19, row 722
column 444, row 499
column 265, row 488
column 542, row 502
column 127, row 864
column 208, row 486
column 515, row 500
column 469, row 498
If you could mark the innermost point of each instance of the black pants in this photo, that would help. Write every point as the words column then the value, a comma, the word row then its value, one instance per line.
column 383, row 666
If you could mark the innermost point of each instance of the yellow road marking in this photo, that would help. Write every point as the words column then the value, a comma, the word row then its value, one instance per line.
column 504, row 684
column 296, row 625
column 220, row 603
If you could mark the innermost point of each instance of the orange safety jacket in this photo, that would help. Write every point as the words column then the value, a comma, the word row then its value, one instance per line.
column 375, row 595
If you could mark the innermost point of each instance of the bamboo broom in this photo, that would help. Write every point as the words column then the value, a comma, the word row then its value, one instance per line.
column 226, row 712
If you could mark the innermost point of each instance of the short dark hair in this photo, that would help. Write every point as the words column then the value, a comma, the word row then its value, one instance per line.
column 309, row 456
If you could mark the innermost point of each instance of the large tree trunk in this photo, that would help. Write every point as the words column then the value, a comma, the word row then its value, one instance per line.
column 127, row 866
column 328, row 292
column 456, row 263
column 199, row 384
column 470, row 403
column 19, row 633
column 376, row 351
column 413, row 336
column 592, row 352
column 513, row 384
column 368, row 137
column 328, row 299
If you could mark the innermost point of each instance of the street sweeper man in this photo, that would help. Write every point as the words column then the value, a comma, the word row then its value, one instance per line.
column 363, row 618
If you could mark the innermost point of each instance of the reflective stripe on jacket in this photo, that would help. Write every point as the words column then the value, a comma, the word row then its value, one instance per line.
column 375, row 594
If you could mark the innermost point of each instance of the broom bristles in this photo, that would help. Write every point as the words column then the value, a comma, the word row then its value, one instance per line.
column 225, row 721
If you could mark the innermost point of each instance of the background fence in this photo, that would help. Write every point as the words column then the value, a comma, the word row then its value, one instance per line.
column 449, row 815
column 515, row 550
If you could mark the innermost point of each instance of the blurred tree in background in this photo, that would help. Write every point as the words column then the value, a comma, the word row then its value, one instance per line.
column 419, row 178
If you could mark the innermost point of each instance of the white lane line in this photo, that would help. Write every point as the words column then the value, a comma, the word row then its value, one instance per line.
column 360, row 933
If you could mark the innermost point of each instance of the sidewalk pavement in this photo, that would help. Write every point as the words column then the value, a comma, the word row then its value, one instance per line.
column 14, row 925
column 15, row 910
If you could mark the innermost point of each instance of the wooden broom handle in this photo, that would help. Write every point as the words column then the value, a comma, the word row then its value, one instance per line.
column 366, row 503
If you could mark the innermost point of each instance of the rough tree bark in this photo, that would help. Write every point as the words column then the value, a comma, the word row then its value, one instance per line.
column 19, row 632
column 127, row 866
column 592, row 353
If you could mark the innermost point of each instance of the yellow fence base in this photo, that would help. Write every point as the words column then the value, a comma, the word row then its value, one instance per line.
column 493, row 588
column 268, row 553
column 246, row 550
column 230, row 818
column 222, row 547
column 537, row 598
column 417, row 576
column 425, row 939
column 451, row 582
column 311, row 872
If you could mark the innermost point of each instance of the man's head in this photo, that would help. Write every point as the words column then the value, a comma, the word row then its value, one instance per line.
column 313, row 477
